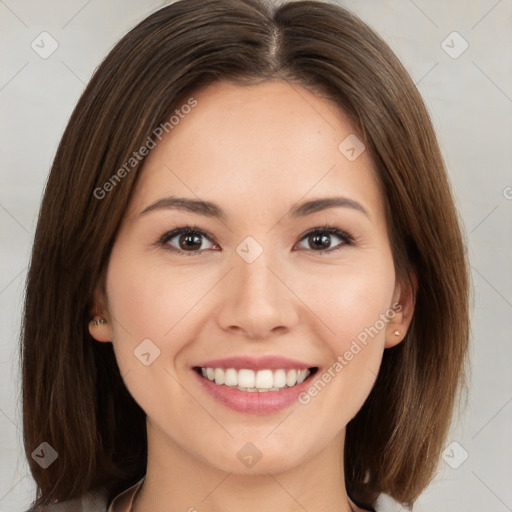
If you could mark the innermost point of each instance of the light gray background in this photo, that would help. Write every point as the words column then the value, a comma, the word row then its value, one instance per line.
column 470, row 100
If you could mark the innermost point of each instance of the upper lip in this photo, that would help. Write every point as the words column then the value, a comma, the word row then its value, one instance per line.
column 255, row 363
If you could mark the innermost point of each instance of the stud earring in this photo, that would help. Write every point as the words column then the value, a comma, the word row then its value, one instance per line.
column 397, row 333
column 97, row 320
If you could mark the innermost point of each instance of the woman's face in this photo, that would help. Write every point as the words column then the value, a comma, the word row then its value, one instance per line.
column 253, row 283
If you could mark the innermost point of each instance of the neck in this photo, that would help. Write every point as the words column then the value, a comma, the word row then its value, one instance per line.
column 176, row 480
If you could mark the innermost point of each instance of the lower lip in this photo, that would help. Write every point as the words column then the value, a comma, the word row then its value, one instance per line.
column 256, row 402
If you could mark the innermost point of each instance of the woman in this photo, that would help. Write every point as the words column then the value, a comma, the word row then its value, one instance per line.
column 248, row 281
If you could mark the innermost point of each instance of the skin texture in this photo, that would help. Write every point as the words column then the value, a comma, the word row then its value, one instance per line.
column 256, row 151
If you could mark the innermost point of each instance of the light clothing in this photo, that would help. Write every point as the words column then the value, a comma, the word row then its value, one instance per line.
column 123, row 501
column 97, row 502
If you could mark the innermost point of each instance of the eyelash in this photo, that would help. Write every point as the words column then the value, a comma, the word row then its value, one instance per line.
column 346, row 238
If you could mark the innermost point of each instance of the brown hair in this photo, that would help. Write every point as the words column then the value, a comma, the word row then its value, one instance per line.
column 73, row 395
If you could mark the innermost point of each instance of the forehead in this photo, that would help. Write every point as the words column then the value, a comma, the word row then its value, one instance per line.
column 257, row 145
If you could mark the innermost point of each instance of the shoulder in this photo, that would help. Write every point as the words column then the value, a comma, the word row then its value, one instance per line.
column 90, row 502
column 386, row 503
column 96, row 501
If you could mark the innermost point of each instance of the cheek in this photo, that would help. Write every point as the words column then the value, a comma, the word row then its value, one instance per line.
column 152, row 301
column 150, row 306
column 353, row 304
column 352, row 298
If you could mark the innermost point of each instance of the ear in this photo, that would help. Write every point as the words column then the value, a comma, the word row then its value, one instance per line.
column 404, row 300
column 100, row 324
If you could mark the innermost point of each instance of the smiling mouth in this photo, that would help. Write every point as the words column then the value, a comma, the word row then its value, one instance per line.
column 256, row 381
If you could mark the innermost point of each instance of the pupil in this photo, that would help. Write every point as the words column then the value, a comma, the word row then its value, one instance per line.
column 190, row 241
column 322, row 240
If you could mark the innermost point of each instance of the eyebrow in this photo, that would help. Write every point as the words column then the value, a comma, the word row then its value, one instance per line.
column 209, row 209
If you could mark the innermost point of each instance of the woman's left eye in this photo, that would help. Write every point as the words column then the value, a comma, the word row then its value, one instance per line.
column 191, row 240
column 320, row 239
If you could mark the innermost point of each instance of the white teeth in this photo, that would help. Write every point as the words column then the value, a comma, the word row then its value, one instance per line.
column 251, row 381
column 291, row 378
column 245, row 378
column 219, row 376
column 279, row 378
column 264, row 379
column 302, row 374
column 231, row 377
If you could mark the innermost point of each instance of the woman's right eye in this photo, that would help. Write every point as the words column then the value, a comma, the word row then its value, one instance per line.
column 186, row 240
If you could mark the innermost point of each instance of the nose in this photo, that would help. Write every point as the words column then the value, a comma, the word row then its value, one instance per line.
column 258, row 301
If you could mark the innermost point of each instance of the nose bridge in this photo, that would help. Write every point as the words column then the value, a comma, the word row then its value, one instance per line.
column 254, row 279
column 257, row 301
column 252, row 260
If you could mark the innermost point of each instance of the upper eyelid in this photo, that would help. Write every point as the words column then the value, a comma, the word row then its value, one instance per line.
column 183, row 229
column 342, row 234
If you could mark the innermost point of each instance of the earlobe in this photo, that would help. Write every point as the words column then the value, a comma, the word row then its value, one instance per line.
column 404, row 300
column 100, row 325
column 99, row 328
